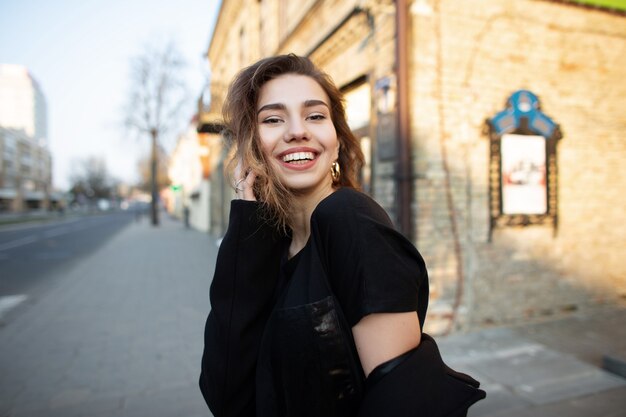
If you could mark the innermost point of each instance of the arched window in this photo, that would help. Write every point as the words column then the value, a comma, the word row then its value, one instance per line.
column 522, row 164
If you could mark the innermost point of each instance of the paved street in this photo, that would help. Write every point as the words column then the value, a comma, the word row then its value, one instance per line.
column 32, row 252
column 120, row 334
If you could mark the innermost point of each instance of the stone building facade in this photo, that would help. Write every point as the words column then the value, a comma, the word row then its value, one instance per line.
column 463, row 59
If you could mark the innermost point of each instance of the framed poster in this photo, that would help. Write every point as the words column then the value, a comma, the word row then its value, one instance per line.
column 523, row 169
column 523, row 173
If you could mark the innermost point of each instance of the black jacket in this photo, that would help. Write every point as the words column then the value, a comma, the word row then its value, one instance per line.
column 278, row 345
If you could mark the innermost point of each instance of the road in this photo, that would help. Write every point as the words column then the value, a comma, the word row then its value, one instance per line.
column 30, row 254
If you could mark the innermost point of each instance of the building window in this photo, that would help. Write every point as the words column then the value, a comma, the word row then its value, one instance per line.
column 358, row 101
column 8, row 181
column 9, row 166
column 522, row 164
column 9, row 146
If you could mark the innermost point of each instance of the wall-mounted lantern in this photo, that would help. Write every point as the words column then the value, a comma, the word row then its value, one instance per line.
column 522, row 164
column 386, row 102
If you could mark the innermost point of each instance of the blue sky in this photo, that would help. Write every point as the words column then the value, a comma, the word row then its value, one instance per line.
column 79, row 51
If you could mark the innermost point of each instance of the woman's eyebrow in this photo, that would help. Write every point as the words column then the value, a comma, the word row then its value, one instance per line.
column 313, row 103
column 281, row 106
column 272, row 106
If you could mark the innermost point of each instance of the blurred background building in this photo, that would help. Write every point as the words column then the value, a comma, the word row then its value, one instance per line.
column 187, row 197
column 492, row 132
column 25, row 162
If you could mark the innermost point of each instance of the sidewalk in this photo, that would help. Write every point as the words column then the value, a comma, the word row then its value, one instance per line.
column 549, row 369
column 121, row 335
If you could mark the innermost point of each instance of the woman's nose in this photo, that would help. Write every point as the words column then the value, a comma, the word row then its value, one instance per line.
column 296, row 131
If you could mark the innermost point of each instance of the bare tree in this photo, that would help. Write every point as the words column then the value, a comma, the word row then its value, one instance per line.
column 145, row 174
column 158, row 93
column 90, row 180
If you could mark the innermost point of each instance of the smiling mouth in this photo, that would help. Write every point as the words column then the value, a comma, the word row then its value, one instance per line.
column 298, row 158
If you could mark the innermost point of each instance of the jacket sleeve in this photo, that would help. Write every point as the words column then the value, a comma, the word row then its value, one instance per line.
column 386, row 273
column 371, row 267
column 241, row 292
column 420, row 385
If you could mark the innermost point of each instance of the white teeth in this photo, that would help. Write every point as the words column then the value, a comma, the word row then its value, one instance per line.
column 298, row 156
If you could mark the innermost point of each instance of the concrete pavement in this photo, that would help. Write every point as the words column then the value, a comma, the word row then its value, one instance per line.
column 548, row 369
column 551, row 367
column 121, row 335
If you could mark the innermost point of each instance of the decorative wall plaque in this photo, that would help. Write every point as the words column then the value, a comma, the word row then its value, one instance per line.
column 522, row 164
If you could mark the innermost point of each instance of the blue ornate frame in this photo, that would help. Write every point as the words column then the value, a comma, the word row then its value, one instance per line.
column 522, row 116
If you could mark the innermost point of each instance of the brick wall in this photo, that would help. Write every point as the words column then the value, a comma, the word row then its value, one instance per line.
column 467, row 57
column 466, row 61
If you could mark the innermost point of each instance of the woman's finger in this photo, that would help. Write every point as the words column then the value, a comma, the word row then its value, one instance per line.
column 239, row 170
column 244, row 187
column 248, row 192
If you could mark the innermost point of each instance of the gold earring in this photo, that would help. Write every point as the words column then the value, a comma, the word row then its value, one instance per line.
column 335, row 172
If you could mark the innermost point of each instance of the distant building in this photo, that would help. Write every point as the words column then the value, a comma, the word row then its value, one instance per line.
column 25, row 160
column 198, row 193
column 22, row 103
column 187, row 197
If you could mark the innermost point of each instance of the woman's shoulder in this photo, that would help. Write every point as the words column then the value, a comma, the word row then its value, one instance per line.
column 347, row 206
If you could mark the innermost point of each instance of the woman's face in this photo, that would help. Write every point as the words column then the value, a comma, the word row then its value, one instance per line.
column 296, row 132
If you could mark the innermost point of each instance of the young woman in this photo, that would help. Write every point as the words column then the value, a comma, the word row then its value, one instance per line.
column 317, row 303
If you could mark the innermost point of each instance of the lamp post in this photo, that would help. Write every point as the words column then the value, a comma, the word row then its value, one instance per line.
column 153, row 178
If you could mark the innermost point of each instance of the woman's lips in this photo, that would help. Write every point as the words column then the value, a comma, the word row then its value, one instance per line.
column 298, row 156
column 298, row 159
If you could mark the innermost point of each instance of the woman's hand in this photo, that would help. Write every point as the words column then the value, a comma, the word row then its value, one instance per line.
column 244, row 183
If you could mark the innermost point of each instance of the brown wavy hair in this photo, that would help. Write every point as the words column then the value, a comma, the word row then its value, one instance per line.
column 240, row 117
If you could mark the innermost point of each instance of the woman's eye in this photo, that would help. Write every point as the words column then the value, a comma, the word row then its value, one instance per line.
column 317, row 117
column 272, row 120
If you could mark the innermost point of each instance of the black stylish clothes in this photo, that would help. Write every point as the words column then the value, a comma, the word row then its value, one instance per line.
column 278, row 340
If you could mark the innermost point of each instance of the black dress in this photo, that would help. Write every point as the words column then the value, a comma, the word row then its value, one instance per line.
column 278, row 340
